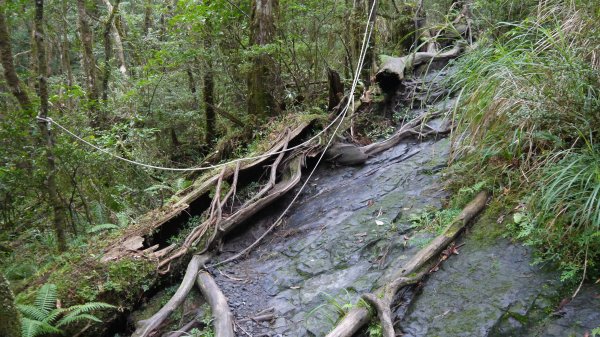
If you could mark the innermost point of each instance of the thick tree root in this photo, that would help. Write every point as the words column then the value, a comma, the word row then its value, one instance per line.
column 359, row 316
column 149, row 326
column 407, row 130
column 222, row 317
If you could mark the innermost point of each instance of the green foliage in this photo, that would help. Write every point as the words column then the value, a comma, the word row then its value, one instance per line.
column 101, row 227
column 434, row 221
column 528, row 94
column 207, row 331
column 375, row 330
column 45, row 318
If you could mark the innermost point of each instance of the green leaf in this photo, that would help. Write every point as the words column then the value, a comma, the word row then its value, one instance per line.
column 32, row 312
column 46, row 298
column 33, row 328
column 518, row 217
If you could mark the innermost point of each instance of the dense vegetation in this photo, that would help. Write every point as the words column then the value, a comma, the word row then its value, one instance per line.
column 184, row 83
column 528, row 126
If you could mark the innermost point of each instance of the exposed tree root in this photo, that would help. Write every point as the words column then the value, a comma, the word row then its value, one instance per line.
column 222, row 317
column 407, row 130
column 153, row 221
column 359, row 316
column 149, row 326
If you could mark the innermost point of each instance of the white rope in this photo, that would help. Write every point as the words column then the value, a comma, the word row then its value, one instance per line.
column 363, row 53
column 188, row 169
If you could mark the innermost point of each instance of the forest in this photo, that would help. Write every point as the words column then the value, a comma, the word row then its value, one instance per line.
column 299, row 168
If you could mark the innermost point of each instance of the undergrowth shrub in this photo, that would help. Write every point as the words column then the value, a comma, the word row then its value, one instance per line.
column 527, row 98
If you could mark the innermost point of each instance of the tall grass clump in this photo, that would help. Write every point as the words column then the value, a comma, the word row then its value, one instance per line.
column 527, row 97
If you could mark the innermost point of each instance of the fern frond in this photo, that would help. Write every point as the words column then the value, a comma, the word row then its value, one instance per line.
column 29, row 311
column 102, row 227
column 33, row 328
column 46, row 297
column 76, row 318
column 88, row 307
column 54, row 315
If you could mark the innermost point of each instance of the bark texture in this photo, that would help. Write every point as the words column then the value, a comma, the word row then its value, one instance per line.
column 10, row 74
column 261, row 79
column 9, row 315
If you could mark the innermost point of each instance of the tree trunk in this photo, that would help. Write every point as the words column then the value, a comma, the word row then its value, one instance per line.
column 12, row 80
column 369, row 61
column 336, row 89
column 147, row 16
column 53, row 197
column 108, row 27
column 89, row 64
column 209, row 89
column 261, row 79
column 192, row 87
column 9, row 315
column 118, row 42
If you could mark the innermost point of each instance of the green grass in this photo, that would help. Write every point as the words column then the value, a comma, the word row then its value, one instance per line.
column 529, row 110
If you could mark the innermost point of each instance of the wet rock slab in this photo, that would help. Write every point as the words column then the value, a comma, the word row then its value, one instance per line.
column 488, row 290
column 580, row 316
column 348, row 229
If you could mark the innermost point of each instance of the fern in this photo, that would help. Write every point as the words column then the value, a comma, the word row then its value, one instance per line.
column 102, row 227
column 33, row 328
column 77, row 318
column 44, row 317
column 46, row 298
column 32, row 312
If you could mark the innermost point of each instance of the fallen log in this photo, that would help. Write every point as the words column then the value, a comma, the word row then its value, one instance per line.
column 393, row 69
column 149, row 326
column 359, row 316
column 222, row 317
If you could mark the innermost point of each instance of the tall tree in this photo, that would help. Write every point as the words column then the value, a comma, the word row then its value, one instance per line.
column 51, row 186
column 9, row 315
column 261, row 79
column 89, row 64
column 108, row 27
column 209, row 85
column 118, row 41
column 6, row 56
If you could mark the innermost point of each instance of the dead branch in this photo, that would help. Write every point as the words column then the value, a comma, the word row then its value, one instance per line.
column 148, row 326
column 359, row 316
column 222, row 317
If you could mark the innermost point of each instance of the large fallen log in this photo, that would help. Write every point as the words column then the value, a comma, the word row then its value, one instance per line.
column 359, row 316
column 393, row 69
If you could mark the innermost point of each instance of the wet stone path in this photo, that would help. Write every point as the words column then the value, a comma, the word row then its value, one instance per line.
column 348, row 231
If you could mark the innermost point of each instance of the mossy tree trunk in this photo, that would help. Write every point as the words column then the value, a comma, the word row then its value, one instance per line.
column 9, row 315
column 6, row 56
column 261, row 79
column 89, row 64
column 58, row 207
